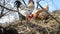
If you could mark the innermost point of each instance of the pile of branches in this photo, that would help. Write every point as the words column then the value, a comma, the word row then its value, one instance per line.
column 39, row 26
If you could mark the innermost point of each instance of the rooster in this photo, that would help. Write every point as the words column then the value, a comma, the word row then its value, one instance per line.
column 40, row 13
column 26, row 10
column 30, row 4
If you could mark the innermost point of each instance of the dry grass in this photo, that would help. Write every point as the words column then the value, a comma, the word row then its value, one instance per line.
column 49, row 26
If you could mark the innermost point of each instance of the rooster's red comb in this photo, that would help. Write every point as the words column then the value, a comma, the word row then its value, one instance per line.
column 31, row 1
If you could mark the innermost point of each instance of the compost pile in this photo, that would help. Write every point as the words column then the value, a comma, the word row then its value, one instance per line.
column 49, row 26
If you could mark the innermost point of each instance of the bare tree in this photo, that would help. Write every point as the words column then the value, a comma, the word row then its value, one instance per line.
column 2, row 9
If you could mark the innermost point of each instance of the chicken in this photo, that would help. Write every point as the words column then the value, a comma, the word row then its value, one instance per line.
column 27, row 10
column 40, row 13
column 31, row 4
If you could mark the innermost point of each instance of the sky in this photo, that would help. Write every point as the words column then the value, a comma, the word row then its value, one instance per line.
column 53, row 4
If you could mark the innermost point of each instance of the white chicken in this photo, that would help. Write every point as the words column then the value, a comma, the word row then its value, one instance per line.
column 28, row 9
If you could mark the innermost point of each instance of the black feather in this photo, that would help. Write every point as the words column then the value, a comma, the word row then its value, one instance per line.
column 18, row 3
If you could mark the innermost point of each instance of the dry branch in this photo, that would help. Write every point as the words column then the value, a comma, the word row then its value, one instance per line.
column 8, row 11
column 48, row 13
column 8, row 8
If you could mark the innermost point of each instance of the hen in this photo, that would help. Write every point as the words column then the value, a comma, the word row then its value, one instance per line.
column 40, row 13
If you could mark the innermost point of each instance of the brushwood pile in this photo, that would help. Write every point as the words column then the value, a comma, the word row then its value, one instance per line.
column 34, row 26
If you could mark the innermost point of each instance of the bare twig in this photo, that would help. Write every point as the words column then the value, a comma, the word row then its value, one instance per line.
column 8, row 8
column 47, row 30
column 24, row 2
column 3, row 8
